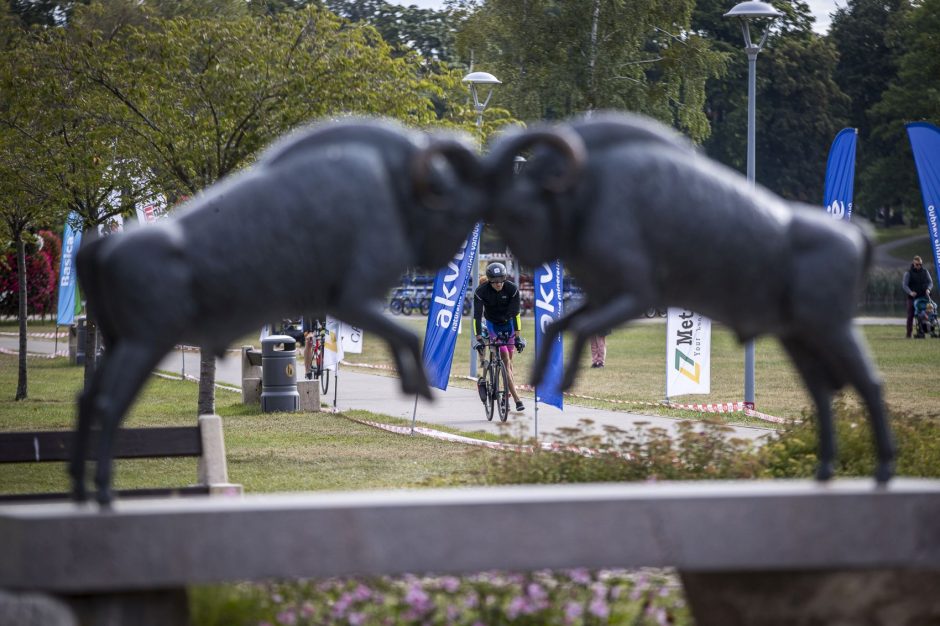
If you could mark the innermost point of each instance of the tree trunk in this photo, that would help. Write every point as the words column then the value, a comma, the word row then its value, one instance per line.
column 21, row 387
column 91, row 347
column 91, row 328
column 206, row 404
column 592, row 58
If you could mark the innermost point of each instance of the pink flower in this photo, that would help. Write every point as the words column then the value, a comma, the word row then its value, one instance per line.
column 288, row 617
column 357, row 619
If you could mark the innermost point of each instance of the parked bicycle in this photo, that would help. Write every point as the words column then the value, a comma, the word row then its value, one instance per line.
column 317, row 371
column 493, row 384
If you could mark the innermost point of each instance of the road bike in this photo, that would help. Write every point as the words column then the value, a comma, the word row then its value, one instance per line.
column 493, row 384
column 317, row 371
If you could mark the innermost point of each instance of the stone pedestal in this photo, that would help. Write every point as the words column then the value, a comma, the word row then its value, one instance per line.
column 251, row 375
column 135, row 608
column 839, row 598
column 309, row 391
column 251, row 391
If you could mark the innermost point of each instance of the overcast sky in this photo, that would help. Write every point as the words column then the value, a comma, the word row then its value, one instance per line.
column 820, row 8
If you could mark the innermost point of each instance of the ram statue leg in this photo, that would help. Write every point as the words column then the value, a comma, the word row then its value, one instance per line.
column 403, row 343
column 596, row 321
column 818, row 381
column 126, row 370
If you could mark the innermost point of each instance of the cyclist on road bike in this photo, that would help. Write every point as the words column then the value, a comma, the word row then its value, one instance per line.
column 498, row 301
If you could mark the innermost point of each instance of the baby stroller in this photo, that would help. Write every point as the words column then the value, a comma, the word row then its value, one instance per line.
column 925, row 312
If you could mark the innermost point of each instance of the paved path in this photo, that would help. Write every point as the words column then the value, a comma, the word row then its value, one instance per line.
column 884, row 257
column 457, row 408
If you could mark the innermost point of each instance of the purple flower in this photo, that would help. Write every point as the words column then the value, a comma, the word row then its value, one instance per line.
column 598, row 608
column 662, row 619
column 277, row 598
column 573, row 611
column 580, row 576
column 450, row 584
column 361, row 593
column 518, row 606
column 357, row 619
column 536, row 592
column 471, row 602
column 307, row 609
column 342, row 605
column 288, row 617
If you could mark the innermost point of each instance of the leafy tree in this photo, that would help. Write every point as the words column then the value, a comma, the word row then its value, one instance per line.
column 801, row 111
column 42, row 12
column 430, row 33
column 862, row 32
column 560, row 58
column 25, row 195
column 196, row 99
column 799, row 107
column 890, row 177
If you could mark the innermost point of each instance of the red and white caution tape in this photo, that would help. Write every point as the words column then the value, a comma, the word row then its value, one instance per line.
column 36, row 355
column 193, row 379
column 716, row 407
column 36, row 335
column 493, row 445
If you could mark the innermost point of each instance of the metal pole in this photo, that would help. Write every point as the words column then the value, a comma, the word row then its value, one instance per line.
column 183, row 367
column 536, row 414
column 414, row 413
column 751, row 168
column 335, row 385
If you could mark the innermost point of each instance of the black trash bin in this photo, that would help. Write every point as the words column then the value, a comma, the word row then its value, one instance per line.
column 279, row 374
column 80, row 338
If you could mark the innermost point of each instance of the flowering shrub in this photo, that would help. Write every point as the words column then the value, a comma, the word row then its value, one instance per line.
column 695, row 451
column 40, row 283
column 486, row 599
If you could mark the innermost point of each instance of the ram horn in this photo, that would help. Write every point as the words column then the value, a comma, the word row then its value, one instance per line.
column 568, row 143
column 461, row 158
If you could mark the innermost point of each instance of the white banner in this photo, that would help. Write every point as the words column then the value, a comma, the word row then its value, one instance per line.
column 688, row 353
column 351, row 339
column 333, row 350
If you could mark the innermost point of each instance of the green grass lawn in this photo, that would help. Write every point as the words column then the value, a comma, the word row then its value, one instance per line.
column 887, row 235
column 266, row 452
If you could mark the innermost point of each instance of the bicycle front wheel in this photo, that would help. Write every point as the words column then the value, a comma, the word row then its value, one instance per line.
column 502, row 391
column 490, row 391
column 325, row 380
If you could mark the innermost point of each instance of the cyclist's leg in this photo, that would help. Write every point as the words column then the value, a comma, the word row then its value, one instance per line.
column 308, row 352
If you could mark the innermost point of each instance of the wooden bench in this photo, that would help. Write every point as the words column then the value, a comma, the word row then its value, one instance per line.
column 204, row 441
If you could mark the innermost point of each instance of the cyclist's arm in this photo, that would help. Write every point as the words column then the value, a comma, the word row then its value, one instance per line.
column 477, row 314
column 515, row 310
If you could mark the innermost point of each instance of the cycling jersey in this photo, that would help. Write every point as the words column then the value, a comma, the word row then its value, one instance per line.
column 499, row 307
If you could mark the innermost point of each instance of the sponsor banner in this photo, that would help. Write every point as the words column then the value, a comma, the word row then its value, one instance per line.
column 450, row 286
column 688, row 353
column 333, row 346
column 150, row 212
column 68, row 279
column 548, row 308
column 840, row 175
column 925, row 142
column 351, row 338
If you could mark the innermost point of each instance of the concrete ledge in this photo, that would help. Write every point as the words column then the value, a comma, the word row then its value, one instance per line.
column 705, row 527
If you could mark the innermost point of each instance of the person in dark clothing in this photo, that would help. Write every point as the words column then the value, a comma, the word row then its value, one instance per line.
column 916, row 284
column 498, row 301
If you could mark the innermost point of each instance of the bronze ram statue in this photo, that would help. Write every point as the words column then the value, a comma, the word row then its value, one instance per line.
column 642, row 220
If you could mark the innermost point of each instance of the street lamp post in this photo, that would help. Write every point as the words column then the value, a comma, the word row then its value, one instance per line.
column 480, row 78
column 762, row 14
column 487, row 80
